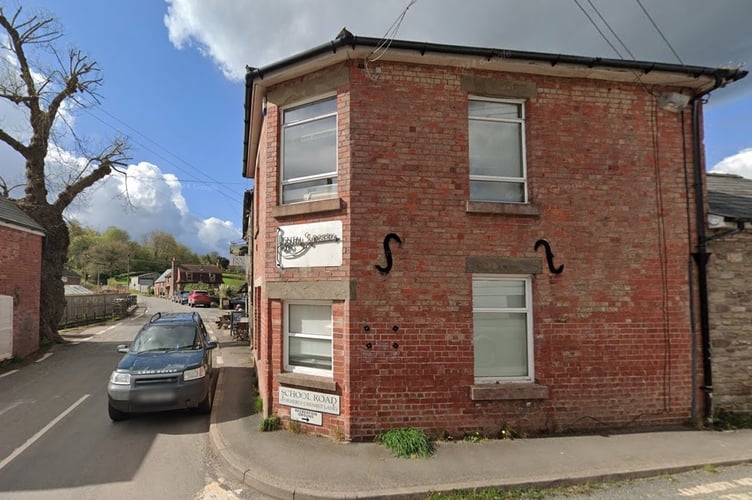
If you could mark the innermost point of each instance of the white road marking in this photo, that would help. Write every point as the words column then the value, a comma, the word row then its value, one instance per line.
column 220, row 361
column 17, row 403
column 107, row 329
column 8, row 373
column 95, row 334
column 44, row 357
column 33, row 439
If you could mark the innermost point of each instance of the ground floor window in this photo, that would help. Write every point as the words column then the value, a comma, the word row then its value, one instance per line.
column 308, row 337
column 502, row 328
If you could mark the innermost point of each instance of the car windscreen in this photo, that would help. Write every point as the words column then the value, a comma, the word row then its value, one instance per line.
column 166, row 337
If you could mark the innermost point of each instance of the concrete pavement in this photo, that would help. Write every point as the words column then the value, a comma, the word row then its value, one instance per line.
column 282, row 464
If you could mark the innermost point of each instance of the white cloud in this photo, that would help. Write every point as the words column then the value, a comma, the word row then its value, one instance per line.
column 258, row 32
column 155, row 199
column 739, row 164
column 147, row 200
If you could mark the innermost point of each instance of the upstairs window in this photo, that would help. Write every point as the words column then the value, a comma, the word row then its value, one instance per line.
column 309, row 151
column 497, row 150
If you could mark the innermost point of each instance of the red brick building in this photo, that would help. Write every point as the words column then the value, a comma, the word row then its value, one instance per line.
column 182, row 275
column 459, row 239
column 20, row 281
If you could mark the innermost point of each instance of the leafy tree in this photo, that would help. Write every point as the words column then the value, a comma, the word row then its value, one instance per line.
column 81, row 240
column 163, row 247
column 42, row 93
column 213, row 257
column 113, row 233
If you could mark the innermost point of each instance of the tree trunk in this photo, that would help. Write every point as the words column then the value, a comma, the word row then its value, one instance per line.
column 54, row 255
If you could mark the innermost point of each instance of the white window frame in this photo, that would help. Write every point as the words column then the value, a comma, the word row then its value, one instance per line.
column 523, row 151
column 288, row 367
column 528, row 310
column 333, row 174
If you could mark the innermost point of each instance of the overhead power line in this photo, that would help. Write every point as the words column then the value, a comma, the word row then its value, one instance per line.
column 603, row 19
column 660, row 32
column 598, row 29
column 210, row 179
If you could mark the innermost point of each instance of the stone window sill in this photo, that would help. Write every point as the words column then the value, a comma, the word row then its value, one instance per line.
column 492, row 207
column 307, row 207
column 509, row 391
column 307, row 381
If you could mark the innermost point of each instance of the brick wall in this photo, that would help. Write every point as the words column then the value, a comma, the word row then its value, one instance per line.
column 730, row 314
column 20, row 277
column 606, row 173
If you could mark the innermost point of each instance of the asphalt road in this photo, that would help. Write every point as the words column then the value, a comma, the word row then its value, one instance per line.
column 57, row 441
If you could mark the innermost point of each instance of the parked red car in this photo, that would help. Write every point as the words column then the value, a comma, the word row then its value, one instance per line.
column 199, row 298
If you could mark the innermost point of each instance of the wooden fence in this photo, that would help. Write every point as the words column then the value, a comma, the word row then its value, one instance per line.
column 85, row 309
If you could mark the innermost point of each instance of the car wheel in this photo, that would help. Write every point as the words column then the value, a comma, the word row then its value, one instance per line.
column 115, row 414
column 205, row 406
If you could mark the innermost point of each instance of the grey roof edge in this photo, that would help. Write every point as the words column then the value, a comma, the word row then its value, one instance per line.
column 11, row 214
column 730, row 206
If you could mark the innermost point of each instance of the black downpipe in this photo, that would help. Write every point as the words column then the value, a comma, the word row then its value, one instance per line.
column 247, row 115
column 701, row 256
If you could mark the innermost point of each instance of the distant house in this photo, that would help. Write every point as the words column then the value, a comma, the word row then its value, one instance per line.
column 70, row 277
column 189, row 274
column 143, row 282
column 162, row 284
column 20, row 281
column 729, row 242
column 77, row 290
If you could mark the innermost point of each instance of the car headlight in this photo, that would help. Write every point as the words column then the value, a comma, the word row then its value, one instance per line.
column 194, row 373
column 120, row 378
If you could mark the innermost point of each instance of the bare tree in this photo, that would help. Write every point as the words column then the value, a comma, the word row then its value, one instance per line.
column 41, row 94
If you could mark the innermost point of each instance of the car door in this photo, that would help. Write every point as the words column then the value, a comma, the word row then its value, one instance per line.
column 205, row 341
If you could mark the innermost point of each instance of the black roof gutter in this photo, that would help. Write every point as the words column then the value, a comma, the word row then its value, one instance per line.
column 247, row 115
column 726, row 74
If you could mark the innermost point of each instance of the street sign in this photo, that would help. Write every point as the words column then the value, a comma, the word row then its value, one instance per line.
column 307, row 416
column 310, row 400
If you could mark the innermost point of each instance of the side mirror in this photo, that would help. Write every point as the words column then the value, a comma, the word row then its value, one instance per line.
column 122, row 348
column 212, row 344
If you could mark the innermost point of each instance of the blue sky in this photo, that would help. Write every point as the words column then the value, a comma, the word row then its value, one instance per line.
column 173, row 81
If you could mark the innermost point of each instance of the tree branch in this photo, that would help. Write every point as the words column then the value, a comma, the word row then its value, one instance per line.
column 75, row 79
column 13, row 142
column 17, row 40
column 108, row 162
column 5, row 189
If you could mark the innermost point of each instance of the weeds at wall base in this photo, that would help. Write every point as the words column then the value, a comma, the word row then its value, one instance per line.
column 729, row 420
column 271, row 423
column 407, row 443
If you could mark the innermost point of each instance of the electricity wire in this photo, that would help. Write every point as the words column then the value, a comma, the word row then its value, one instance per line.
column 603, row 19
column 661, row 242
column 598, row 29
column 209, row 179
column 386, row 41
column 232, row 198
column 655, row 25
